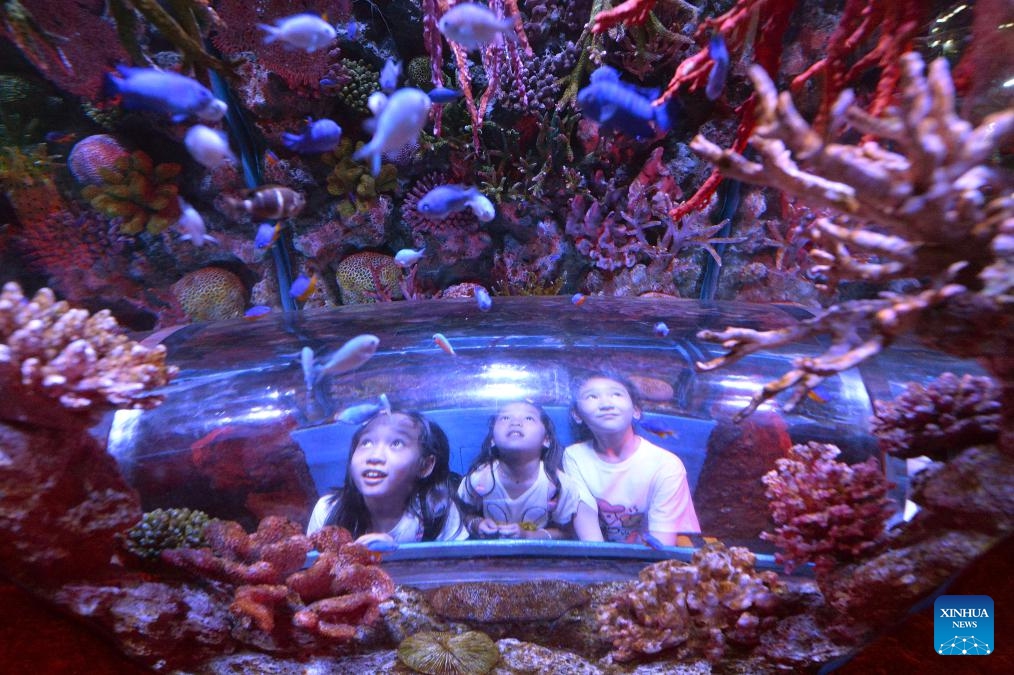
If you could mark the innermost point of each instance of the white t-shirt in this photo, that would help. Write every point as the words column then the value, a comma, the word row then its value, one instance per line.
column 408, row 529
column 646, row 492
column 532, row 506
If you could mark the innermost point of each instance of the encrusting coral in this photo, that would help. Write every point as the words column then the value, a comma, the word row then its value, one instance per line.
column 941, row 418
column 717, row 598
column 933, row 207
column 80, row 359
column 827, row 512
column 332, row 599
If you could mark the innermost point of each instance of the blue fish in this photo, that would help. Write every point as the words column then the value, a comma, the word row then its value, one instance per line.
column 660, row 329
column 389, row 75
column 443, row 200
column 171, row 94
column 257, row 311
column 357, row 414
column 267, row 234
column 720, row 70
column 319, row 136
column 623, row 107
column 303, row 287
column 483, row 299
column 443, row 94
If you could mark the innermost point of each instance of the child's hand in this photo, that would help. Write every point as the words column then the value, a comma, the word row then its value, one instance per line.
column 488, row 528
column 378, row 541
column 510, row 531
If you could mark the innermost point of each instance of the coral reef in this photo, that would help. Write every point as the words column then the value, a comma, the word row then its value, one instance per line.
column 80, row 360
column 494, row 603
column 827, row 512
column 139, row 193
column 368, row 277
column 470, row 653
column 92, row 154
column 940, row 418
column 162, row 529
column 210, row 294
column 935, row 210
column 717, row 598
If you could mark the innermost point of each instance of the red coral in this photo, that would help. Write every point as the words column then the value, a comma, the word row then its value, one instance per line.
column 827, row 512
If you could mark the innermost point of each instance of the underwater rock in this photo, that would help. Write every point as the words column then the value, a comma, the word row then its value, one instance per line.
column 541, row 600
column 730, row 496
column 524, row 657
column 971, row 492
column 211, row 294
column 652, row 388
column 406, row 613
column 92, row 154
column 471, row 653
column 365, row 277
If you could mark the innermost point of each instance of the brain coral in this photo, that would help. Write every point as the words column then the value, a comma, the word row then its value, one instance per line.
column 93, row 153
column 210, row 294
column 358, row 277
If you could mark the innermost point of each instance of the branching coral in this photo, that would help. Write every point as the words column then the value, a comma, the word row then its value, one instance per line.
column 935, row 210
column 827, row 512
column 137, row 191
column 717, row 598
column 80, row 359
column 339, row 593
column 941, row 418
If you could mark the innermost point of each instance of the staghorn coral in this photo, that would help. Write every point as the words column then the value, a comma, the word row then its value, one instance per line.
column 935, row 209
column 367, row 277
column 718, row 597
column 542, row 600
column 827, row 512
column 211, row 294
column 941, row 418
column 163, row 529
column 470, row 653
column 81, row 360
column 137, row 191
column 339, row 593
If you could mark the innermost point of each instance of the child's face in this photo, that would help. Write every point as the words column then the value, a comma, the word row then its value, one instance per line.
column 388, row 461
column 518, row 428
column 605, row 406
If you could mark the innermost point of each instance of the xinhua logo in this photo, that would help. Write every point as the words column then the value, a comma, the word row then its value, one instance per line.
column 963, row 625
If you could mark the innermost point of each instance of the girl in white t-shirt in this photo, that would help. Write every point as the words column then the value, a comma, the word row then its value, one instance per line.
column 397, row 484
column 640, row 489
column 514, row 489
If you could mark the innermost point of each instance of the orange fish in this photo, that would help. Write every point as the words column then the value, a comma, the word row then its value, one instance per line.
column 443, row 343
column 302, row 288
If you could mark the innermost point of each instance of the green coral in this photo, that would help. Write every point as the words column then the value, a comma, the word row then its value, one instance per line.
column 362, row 81
column 419, row 73
column 144, row 196
column 351, row 178
column 163, row 529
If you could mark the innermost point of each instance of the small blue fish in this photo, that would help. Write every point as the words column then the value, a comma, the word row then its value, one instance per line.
column 267, row 235
column 389, row 75
column 257, row 311
column 483, row 299
column 720, row 70
column 396, row 125
column 619, row 106
column 357, row 414
column 443, row 94
column 320, row 136
column 303, row 287
column 172, row 94
column 660, row 329
column 443, row 200
column 349, row 31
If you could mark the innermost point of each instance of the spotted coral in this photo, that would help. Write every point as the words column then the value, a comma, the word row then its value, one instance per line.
column 211, row 294
column 432, row 653
column 827, row 512
column 79, row 359
column 717, row 598
column 137, row 191
column 541, row 600
column 366, row 277
column 941, row 418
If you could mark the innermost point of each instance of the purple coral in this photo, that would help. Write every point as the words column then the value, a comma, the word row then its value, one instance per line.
column 941, row 418
column 717, row 598
column 827, row 512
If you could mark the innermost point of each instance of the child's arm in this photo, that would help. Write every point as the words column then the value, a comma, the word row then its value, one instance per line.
column 586, row 523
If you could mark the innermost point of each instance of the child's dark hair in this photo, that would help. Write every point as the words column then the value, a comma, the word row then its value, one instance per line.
column 578, row 380
column 430, row 498
column 552, row 456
